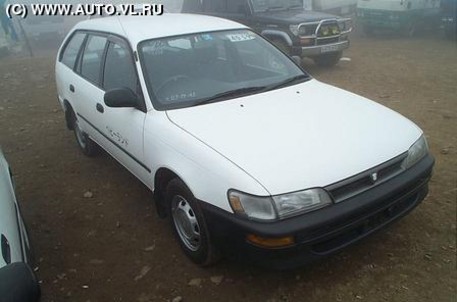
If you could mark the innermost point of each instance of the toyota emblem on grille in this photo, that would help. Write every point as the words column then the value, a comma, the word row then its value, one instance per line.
column 374, row 177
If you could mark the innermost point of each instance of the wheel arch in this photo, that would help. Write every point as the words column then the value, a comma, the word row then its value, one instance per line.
column 161, row 179
column 69, row 114
column 271, row 35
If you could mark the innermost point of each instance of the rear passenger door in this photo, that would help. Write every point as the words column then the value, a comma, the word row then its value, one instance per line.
column 65, row 75
column 86, row 89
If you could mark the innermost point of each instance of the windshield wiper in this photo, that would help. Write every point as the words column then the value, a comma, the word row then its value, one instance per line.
column 229, row 94
column 296, row 79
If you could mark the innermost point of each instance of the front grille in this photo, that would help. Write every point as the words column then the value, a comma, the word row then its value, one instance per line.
column 366, row 226
column 311, row 28
column 350, row 228
column 325, row 41
column 328, row 29
column 352, row 186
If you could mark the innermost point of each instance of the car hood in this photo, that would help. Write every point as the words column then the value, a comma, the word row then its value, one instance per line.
column 303, row 136
column 295, row 16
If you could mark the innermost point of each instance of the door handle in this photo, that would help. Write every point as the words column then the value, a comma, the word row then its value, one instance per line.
column 72, row 88
column 100, row 108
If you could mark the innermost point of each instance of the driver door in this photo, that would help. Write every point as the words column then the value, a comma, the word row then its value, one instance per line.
column 122, row 128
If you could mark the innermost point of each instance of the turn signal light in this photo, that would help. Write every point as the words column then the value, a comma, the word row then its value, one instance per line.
column 271, row 243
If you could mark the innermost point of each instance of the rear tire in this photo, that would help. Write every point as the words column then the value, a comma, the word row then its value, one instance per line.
column 189, row 224
column 87, row 145
column 328, row 60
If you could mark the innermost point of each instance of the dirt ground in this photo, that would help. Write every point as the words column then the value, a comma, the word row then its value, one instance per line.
column 113, row 247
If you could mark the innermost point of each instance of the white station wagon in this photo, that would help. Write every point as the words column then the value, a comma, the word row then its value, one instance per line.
column 244, row 151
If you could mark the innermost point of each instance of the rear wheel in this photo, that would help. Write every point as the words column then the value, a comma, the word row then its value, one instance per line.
column 328, row 60
column 189, row 224
column 87, row 146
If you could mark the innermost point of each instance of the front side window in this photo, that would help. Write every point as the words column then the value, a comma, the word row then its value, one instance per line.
column 119, row 68
column 71, row 51
column 200, row 68
column 92, row 58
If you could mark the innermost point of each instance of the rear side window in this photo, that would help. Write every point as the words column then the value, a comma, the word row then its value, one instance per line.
column 92, row 58
column 119, row 68
column 72, row 49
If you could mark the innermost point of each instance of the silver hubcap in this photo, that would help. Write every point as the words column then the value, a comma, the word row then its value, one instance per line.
column 186, row 223
column 80, row 135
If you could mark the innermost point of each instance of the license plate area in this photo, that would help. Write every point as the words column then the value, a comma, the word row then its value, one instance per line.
column 329, row 48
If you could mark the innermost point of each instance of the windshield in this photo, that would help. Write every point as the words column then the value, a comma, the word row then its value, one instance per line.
column 268, row 5
column 201, row 68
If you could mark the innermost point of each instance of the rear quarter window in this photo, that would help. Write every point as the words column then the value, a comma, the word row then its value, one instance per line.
column 71, row 50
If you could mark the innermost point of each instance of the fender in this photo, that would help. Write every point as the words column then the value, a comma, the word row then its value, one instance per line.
column 271, row 33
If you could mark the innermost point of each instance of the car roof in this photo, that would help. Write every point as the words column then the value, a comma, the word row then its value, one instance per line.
column 140, row 28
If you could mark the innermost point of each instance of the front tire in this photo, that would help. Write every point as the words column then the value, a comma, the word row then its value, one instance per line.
column 189, row 224
column 87, row 145
column 328, row 60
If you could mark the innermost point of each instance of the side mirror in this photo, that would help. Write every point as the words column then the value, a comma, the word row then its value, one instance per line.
column 18, row 283
column 121, row 97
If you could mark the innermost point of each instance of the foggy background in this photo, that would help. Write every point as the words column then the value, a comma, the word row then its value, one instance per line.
column 42, row 35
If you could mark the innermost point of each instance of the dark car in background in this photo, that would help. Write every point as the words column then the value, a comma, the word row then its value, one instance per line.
column 296, row 31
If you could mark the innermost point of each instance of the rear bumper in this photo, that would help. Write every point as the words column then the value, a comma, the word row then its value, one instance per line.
column 323, row 232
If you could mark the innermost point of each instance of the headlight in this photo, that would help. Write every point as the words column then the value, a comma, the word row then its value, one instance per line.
column 280, row 206
column 300, row 202
column 345, row 25
column 294, row 29
column 417, row 151
column 302, row 31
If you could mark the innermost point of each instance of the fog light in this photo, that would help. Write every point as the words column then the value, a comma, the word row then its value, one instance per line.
column 265, row 242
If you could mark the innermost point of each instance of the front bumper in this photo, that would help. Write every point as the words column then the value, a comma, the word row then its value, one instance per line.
column 325, row 231
column 313, row 51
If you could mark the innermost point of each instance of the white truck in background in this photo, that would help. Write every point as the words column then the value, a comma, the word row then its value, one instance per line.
column 337, row 7
column 404, row 16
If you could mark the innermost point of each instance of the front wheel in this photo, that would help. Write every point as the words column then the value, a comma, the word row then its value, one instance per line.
column 189, row 224
column 328, row 60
